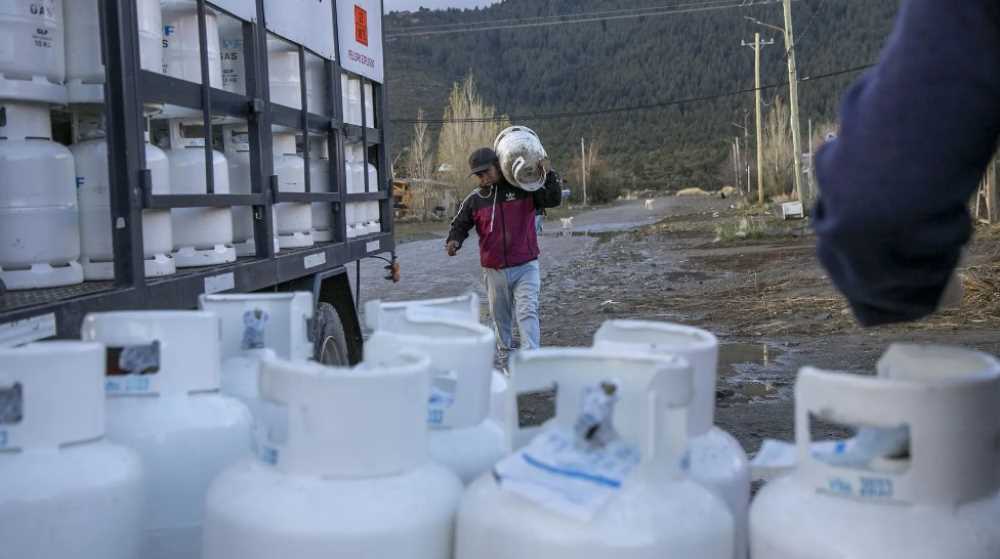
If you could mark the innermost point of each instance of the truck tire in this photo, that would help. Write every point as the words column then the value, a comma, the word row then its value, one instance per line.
column 329, row 339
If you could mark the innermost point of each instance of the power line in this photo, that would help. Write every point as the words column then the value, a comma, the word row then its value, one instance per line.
column 568, row 21
column 617, row 110
column 558, row 17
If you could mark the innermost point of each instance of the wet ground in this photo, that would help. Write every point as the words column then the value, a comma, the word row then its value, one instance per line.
column 743, row 274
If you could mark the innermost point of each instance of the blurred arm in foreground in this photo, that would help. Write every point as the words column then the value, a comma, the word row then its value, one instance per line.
column 917, row 133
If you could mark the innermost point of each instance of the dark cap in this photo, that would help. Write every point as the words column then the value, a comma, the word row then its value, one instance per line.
column 481, row 160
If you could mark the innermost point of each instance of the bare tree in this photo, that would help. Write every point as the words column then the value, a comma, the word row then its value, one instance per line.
column 470, row 123
column 418, row 164
column 778, row 164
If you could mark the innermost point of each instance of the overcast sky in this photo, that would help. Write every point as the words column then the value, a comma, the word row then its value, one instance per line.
column 413, row 5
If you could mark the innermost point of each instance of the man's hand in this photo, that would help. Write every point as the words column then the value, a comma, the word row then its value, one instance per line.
column 452, row 248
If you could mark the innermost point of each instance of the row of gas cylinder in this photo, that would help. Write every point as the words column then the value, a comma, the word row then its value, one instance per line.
column 53, row 55
column 55, row 218
column 132, row 443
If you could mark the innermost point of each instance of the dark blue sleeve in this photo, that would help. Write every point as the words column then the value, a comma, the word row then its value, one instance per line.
column 916, row 134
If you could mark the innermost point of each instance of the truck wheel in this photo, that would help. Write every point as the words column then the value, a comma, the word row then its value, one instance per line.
column 330, row 341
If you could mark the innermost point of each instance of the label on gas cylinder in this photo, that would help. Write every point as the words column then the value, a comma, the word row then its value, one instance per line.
column 442, row 397
column 131, row 369
column 561, row 473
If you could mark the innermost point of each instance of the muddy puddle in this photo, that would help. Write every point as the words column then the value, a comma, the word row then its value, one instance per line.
column 735, row 358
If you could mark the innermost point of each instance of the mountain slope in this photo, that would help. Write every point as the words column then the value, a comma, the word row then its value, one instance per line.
column 633, row 62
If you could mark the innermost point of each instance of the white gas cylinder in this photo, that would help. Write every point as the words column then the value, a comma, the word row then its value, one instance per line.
column 257, row 327
column 523, row 160
column 319, row 181
column 318, row 92
column 150, row 35
column 344, row 101
column 164, row 402
column 84, row 64
column 65, row 491
column 369, row 105
column 463, row 437
column 33, row 57
column 352, row 98
column 39, row 224
column 373, row 185
column 388, row 315
column 90, row 154
column 347, row 476
column 717, row 460
column 391, row 315
column 294, row 218
column 233, row 67
column 932, row 494
column 236, row 144
column 181, row 47
column 284, row 79
column 350, row 215
column 85, row 73
column 374, row 219
column 607, row 479
column 202, row 236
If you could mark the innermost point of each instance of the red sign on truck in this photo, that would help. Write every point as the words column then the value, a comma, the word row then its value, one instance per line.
column 361, row 25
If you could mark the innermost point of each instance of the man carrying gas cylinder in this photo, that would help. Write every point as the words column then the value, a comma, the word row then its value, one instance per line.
column 504, row 218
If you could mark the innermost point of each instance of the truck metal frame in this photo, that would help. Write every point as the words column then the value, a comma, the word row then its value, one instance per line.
column 36, row 314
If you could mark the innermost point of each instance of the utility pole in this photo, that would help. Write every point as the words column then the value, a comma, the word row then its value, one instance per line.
column 793, row 101
column 756, row 46
column 583, row 169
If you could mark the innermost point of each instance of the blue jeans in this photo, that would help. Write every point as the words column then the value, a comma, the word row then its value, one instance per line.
column 539, row 218
column 514, row 291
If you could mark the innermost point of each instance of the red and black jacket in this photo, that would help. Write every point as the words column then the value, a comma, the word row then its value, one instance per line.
column 504, row 217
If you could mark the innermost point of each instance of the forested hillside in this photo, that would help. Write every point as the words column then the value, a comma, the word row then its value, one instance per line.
column 611, row 64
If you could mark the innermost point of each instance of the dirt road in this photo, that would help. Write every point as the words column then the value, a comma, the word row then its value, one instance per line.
column 684, row 260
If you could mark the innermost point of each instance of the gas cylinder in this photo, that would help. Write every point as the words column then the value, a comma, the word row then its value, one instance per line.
column 462, row 435
column 373, row 217
column 150, row 35
column 347, row 476
column 523, row 160
column 233, row 67
column 351, row 211
column 931, row 493
column 391, row 315
column 181, row 51
column 65, row 491
column 181, row 46
column 605, row 476
column 318, row 92
column 257, row 327
column 33, row 57
column 319, row 181
column 352, row 98
column 39, row 224
column 373, row 185
column 236, row 143
column 85, row 74
column 284, row 78
column 294, row 218
column 369, row 105
column 354, row 168
column 90, row 153
column 164, row 402
column 85, row 71
column 84, row 64
column 717, row 460
column 388, row 315
column 202, row 236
